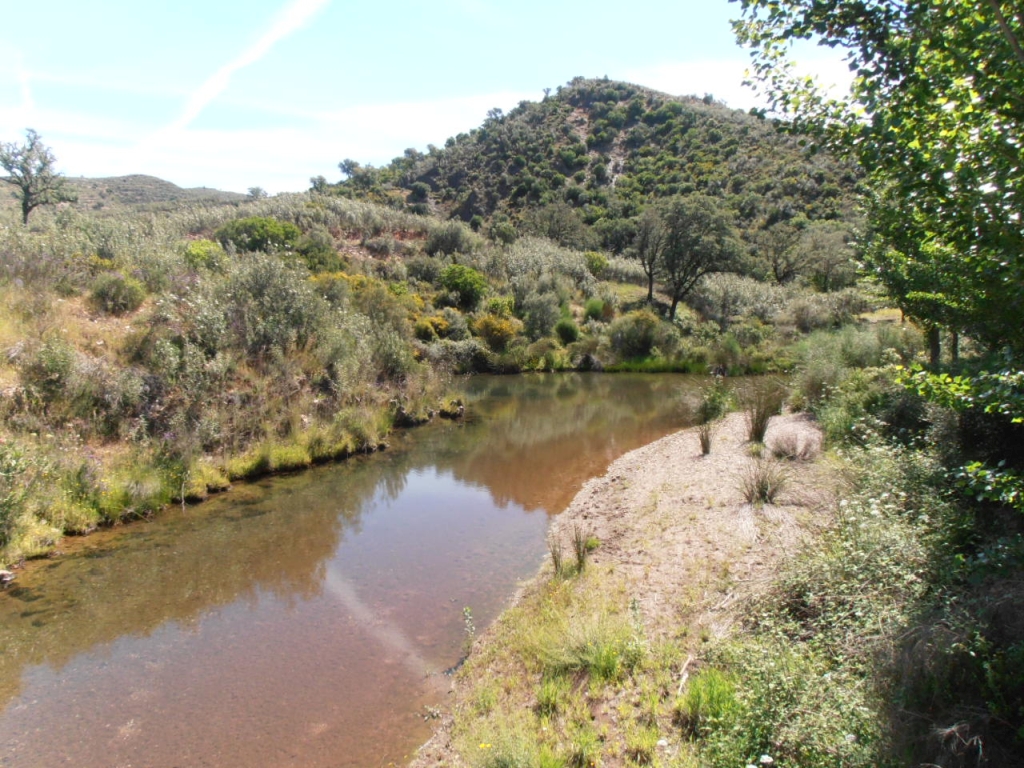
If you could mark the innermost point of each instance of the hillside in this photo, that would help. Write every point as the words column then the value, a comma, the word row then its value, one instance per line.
column 139, row 189
column 605, row 149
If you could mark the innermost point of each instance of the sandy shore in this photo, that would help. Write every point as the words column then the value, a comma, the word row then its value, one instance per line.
column 675, row 526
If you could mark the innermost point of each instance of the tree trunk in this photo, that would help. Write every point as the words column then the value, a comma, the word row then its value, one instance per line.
column 954, row 347
column 650, row 288
column 672, row 309
column 934, row 345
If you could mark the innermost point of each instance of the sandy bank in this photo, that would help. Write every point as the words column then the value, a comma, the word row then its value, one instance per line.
column 674, row 527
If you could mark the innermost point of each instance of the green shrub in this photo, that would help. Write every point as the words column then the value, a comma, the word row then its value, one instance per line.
column 789, row 703
column 540, row 313
column 567, row 331
column 15, row 487
column 597, row 263
column 269, row 307
column 633, row 334
column 715, row 401
column 204, row 254
column 466, row 283
column 117, row 295
column 450, row 238
column 594, row 309
column 47, row 373
column 259, row 233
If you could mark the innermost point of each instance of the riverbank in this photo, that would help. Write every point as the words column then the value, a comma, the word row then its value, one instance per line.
column 587, row 666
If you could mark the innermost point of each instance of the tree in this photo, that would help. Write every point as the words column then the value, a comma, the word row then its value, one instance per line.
column 700, row 239
column 775, row 247
column 647, row 247
column 936, row 118
column 31, row 169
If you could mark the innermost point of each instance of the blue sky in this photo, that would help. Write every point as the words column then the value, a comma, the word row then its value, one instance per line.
column 271, row 92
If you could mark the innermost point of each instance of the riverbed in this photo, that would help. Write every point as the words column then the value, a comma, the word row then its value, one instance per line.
column 308, row 620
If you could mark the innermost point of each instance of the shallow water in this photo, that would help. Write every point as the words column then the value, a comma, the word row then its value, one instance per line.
column 307, row 620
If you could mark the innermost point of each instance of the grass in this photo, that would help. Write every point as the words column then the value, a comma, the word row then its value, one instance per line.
column 762, row 481
column 761, row 403
column 705, row 432
column 790, row 446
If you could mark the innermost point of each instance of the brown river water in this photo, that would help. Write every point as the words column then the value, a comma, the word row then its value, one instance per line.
column 308, row 620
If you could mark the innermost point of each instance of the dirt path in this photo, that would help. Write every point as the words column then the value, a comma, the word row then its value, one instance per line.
column 675, row 526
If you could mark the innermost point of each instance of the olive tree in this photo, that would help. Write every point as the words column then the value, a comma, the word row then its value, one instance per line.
column 30, row 169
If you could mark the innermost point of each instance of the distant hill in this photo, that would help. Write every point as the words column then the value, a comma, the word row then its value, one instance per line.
column 607, row 149
column 139, row 189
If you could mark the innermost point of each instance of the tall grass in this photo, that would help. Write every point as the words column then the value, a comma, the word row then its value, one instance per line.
column 762, row 402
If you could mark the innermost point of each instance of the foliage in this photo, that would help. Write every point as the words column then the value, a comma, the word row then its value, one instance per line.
column 116, row 294
column 259, row 233
column 497, row 331
column 715, row 401
column 204, row 254
column 699, row 240
column 468, row 285
column 30, row 169
column 634, row 335
column 935, row 118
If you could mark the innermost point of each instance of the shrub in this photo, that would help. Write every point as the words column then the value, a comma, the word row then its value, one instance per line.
column 46, row 374
column 424, row 268
column 204, row 254
column 117, row 295
column 14, row 489
column 715, row 401
column 597, row 263
column 449, row 238
column 596, row 309
column 497, row 331
column 633, row 335
column 540, row 313
column 466, row 283
column 259, row 233
column 270, row 307
column 567, row 330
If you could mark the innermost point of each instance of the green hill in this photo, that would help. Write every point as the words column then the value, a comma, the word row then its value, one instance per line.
column 139, row 189
column 606, row 149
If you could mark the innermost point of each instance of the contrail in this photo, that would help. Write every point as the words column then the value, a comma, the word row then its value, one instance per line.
column 289, row 19
column 387, row 634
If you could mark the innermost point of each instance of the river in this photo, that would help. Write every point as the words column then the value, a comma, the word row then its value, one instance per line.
column 307, row 620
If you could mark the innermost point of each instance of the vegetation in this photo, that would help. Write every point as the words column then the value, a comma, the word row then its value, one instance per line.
column 31, row 171
column 157, row 353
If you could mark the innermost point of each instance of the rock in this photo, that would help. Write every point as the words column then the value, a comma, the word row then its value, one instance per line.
column 6, row 577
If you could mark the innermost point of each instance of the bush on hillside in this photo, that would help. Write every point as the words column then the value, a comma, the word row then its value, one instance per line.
column 259, row 233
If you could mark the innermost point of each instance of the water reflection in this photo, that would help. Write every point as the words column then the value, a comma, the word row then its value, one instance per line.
column 303, row 620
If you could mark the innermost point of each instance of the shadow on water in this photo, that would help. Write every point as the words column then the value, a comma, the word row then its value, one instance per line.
column 303, row 618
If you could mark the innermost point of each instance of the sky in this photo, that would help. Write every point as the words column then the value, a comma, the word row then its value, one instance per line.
column 269, row 93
